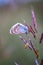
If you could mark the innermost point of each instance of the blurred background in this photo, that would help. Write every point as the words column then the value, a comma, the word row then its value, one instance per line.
column 11, row 47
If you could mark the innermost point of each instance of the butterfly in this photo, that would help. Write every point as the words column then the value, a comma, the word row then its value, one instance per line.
column 18, row 28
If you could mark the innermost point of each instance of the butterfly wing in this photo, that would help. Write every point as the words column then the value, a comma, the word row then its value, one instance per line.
column 18, row 29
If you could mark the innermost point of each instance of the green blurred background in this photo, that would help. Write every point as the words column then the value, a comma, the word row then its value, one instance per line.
column 11, row 47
